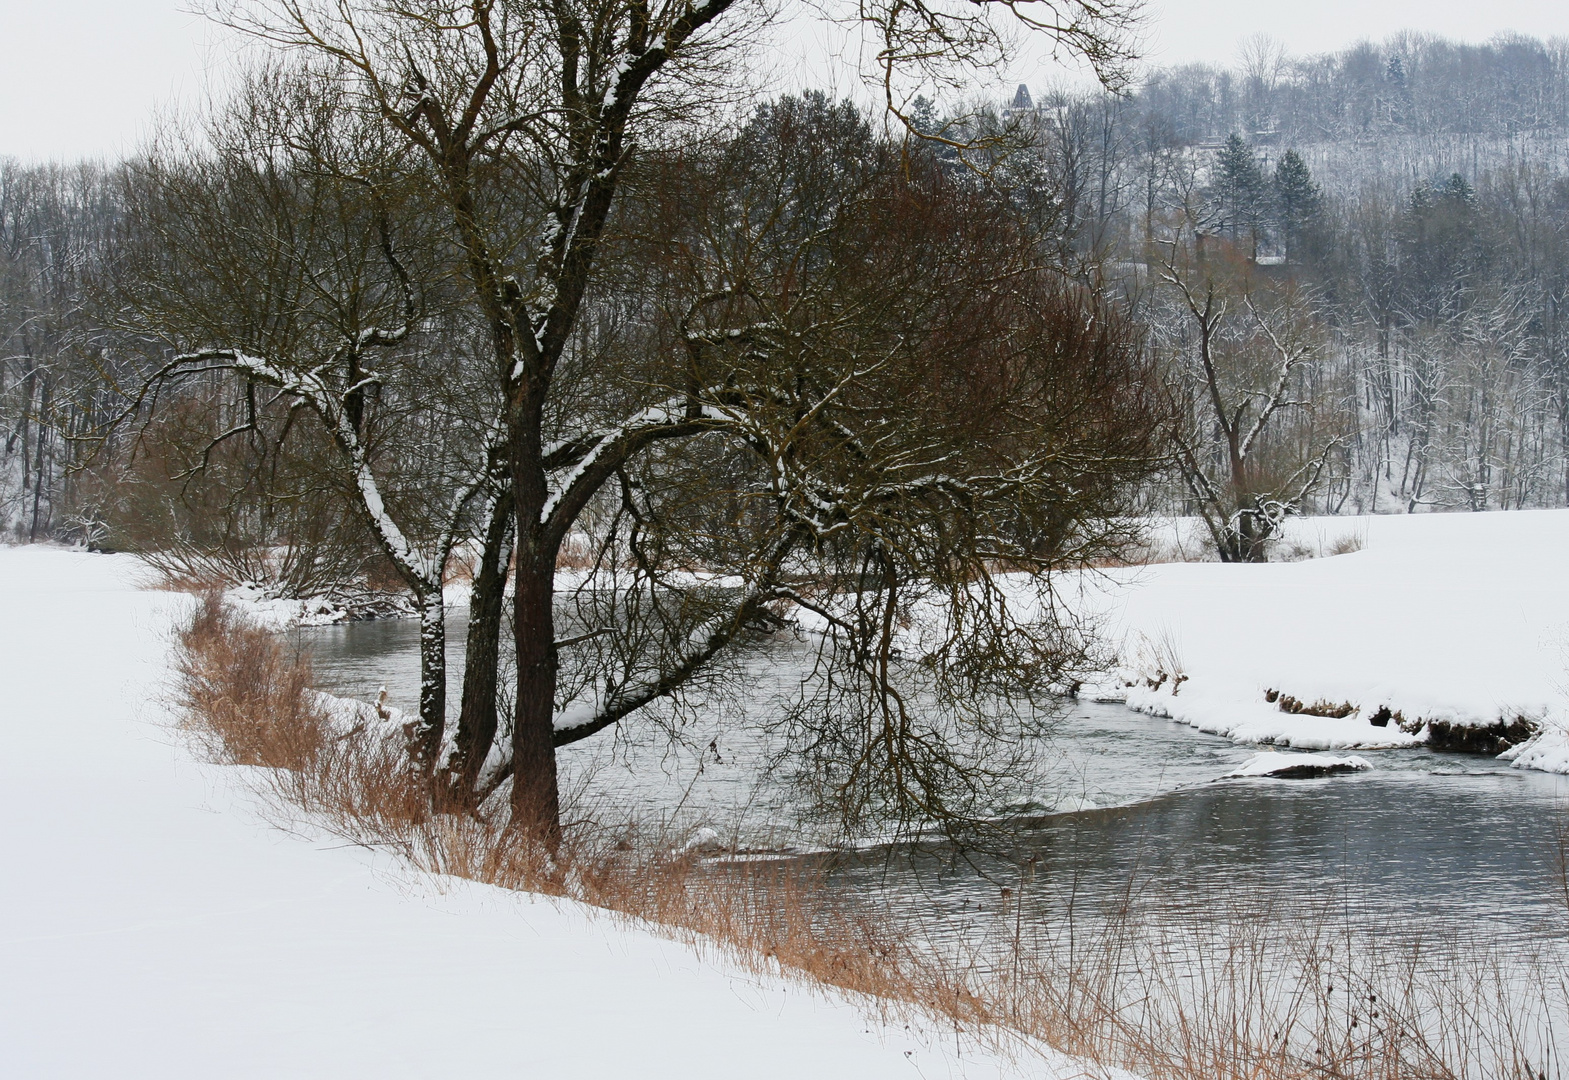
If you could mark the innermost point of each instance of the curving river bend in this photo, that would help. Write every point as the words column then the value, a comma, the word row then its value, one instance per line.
column 1427, row 839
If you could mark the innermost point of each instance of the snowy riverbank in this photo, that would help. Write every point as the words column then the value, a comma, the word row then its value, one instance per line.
column 1458, row 619
column 156, row 927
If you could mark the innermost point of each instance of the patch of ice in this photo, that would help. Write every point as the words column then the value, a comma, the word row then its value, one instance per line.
column 704, row 839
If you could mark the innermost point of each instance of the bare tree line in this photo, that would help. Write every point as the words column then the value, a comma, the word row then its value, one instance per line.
column 54, row 225
column 1457, row 403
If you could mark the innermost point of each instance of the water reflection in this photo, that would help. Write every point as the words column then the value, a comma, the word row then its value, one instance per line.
column 1417, row 846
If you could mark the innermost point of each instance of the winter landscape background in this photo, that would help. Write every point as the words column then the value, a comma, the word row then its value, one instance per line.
column 535, row 547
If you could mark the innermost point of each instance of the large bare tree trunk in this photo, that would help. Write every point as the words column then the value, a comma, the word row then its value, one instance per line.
column 536, row 802
column 432, row 680
column 536, row 806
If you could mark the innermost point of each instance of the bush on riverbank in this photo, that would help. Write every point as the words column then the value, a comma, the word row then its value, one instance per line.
column 1174, row 987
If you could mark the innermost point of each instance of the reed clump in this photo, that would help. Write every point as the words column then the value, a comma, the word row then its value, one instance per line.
column 246, row 694
column 1244, row 986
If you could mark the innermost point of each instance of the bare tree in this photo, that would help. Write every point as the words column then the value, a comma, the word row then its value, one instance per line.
column 257, row 508
column 1241, row 346
column 899, row 403
column 1263, row 61
column 552, row 102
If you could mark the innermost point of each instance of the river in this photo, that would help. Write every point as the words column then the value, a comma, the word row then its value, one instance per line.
column 1426, row 839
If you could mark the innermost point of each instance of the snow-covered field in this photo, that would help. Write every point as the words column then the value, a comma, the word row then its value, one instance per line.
column 154, row 926
column 1461, row 618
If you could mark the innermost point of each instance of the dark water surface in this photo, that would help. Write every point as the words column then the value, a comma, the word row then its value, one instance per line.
column 1423, row 838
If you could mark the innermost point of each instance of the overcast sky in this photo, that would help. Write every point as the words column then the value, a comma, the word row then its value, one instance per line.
column 86, row 77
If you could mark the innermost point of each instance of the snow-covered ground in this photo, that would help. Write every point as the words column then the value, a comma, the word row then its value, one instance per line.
column 1461, row 618
column 154, row 926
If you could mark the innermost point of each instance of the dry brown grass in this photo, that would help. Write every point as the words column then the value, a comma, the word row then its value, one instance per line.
column 247, row 694
column 188, row 580
column 1174, row 988
column 1237, row 988
column 1333, row 710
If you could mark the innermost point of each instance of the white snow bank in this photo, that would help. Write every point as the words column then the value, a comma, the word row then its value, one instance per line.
column 1274, row 763
column 1462, row 618
column 1217, row 706
column 274, row 613
column 1546, row 751
column 284, row 613
column 153, row 927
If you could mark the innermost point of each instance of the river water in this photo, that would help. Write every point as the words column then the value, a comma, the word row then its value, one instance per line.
column 1427, row 840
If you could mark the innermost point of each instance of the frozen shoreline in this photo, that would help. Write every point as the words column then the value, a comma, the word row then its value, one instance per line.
column 1454, row 619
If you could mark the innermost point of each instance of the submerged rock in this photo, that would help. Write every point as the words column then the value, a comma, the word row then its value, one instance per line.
column 1297, row 766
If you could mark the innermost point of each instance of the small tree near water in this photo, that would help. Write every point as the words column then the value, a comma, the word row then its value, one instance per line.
column 1252, row 435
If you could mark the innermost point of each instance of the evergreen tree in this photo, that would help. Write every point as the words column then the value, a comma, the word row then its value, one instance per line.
column 1457, row 191
column 1443, row 249
column 923, row 116
column 1239, row 191
column 1297, row 204
column 1398, row 104
column 1395, row 71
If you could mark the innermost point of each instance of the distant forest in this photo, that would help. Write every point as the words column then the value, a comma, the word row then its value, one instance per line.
column 1353, row 268
column 1412, row 195
column 1412, row 85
